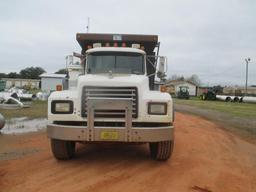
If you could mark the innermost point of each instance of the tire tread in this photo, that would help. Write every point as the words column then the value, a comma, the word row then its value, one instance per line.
column 62, row 150
column 161, row 150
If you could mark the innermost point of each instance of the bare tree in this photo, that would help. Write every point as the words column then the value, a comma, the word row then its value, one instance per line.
column 194, row 79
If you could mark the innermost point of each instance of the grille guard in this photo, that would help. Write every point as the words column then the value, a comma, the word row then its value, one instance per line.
column 112, row 104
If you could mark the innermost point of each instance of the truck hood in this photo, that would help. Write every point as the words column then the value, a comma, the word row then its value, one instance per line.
column 114, row 81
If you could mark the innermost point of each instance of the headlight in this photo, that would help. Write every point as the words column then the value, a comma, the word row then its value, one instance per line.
column 62, row 107
column 157, row 108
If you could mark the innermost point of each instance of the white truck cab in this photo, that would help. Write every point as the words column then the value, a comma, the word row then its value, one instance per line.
column 112, row 99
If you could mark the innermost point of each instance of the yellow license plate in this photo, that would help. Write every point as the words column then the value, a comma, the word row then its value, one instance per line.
column 109, row 135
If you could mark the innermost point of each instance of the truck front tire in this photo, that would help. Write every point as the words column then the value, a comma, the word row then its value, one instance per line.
column 161, row 150
column 63, row 150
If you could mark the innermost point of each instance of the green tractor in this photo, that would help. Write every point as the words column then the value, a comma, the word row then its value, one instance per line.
column 183, row 93
column 210, row 93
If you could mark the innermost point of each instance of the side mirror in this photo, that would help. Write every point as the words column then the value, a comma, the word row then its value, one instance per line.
column 161, row 71
column 78, row 55
column 2, row 121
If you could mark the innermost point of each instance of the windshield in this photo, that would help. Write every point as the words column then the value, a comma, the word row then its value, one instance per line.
column 117, row 62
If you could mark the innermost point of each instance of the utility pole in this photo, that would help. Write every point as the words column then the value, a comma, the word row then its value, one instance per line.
column 88, row 25
column 246, row 78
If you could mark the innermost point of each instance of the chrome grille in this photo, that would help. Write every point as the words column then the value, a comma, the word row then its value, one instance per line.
column 113, row 93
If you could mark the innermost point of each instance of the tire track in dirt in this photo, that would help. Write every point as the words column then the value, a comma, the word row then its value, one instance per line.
column 204, row 156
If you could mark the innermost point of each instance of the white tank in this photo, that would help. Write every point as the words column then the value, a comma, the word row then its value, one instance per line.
column 74, row 69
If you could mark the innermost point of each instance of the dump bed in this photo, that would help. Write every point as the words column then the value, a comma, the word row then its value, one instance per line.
column 149, row 42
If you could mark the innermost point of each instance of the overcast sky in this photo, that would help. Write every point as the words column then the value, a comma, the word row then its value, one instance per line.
column 205, row 37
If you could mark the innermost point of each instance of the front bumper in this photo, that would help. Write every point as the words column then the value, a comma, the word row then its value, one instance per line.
column 128, row 133
column 137, row 134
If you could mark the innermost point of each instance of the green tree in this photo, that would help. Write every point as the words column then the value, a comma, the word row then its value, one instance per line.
column 194, row 79
column 3, row 75
column 177, row 77
column 61, row 71
column 13, row 75
column 31, row 72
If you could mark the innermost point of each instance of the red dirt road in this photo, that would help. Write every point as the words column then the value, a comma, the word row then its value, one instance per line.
column 205, row 158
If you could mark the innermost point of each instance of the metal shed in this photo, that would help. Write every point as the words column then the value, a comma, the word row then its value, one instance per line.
column 50, row 81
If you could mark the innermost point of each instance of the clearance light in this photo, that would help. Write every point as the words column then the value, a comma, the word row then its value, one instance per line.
column 136, row 46
column 89, row 46
column 163, row 88
column 115, row 45
column 123, row 44
column 58, row 87
column 96, row 45
column 107, row 45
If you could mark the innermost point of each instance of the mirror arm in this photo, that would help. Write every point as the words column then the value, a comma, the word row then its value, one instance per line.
column 78, row 55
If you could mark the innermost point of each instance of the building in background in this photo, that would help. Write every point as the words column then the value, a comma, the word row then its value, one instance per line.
column 50, row 81
column 173, row 87
column 22, row 83
column 239, row 91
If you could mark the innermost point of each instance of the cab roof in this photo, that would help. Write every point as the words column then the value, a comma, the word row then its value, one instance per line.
column 115, row 49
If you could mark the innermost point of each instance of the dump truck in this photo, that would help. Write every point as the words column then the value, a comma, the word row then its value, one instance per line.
column 112, row 97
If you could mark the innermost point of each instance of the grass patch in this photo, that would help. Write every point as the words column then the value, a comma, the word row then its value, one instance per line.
column 38, row 109
column 235, row 109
